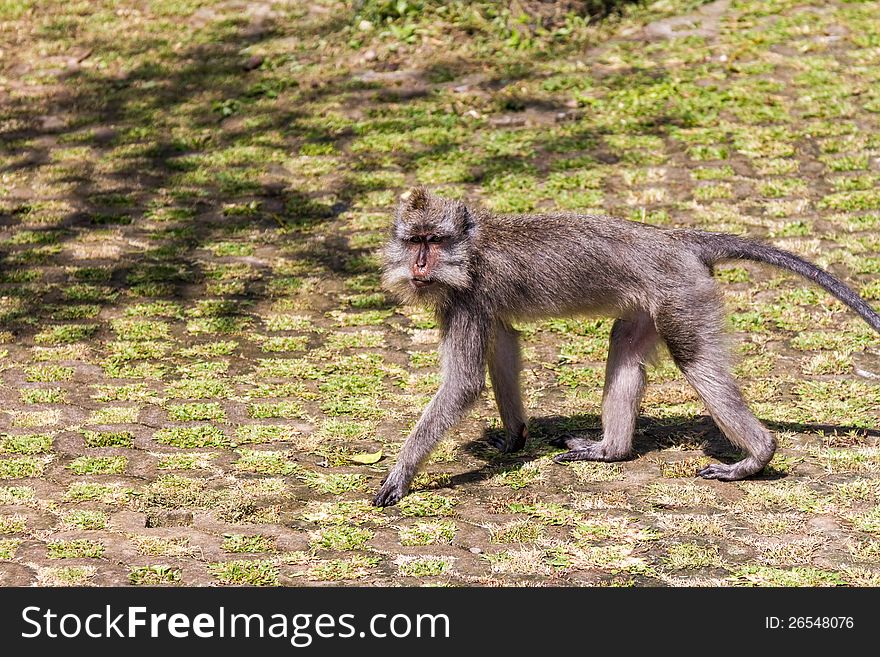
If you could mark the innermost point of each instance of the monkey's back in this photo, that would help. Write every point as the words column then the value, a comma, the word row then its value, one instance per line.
column 568, row 263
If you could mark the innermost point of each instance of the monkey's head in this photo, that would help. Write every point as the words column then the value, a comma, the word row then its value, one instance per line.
column 429, row 253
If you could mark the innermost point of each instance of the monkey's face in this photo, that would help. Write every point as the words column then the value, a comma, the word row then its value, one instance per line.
column 429, row 250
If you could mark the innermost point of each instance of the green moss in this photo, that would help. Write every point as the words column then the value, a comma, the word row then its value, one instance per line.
column 284, row 343
column 847, row 162
column 16, row 494
column 129, row 392
column 780, row 187
column 15, row 524
column 428, row 533
column 692, row 555
column 713, row 192
column 522, row 531
column 521, row 475
column 184, row 461
column 331, row 482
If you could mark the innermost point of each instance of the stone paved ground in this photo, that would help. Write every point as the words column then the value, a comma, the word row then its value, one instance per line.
column 195, row 343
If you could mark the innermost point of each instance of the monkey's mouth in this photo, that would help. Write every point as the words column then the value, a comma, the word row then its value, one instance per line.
column 421, row 283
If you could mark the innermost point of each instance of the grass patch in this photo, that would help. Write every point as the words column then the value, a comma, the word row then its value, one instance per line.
column 189, row 437
column 39, row 443
column 21, row 467
column 425, row 566
column 75, row 549
column 43, row 395
column 265, row 462
column 8, row 546
column 108, row 438
column 245, row 573
column 196, row 411
column 692, row 555
column 85, row 465
column 422, row 505
column 154, row 575
column 84, row 519
column 335, row 570
column 341, row 537
column 439, row 532
column 798, row 576
column 239, row 543
column 48, row 373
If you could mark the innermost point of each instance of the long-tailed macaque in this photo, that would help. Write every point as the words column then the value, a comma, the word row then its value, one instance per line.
column 481, row 271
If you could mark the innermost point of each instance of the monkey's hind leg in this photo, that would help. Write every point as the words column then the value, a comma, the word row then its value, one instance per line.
column 504, row 369
column 633, row 341
column 701, row 356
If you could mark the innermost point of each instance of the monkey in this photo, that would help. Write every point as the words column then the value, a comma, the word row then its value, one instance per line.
column 481, row 271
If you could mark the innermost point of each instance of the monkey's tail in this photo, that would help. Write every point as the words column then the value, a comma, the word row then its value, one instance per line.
column 715, row 247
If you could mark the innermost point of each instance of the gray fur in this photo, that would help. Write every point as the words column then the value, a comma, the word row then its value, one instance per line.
column 633, row 342
column 482, row 271
column 504, row 368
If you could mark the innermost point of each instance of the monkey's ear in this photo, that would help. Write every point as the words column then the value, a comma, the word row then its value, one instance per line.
column 468, row 220
column 416, row 198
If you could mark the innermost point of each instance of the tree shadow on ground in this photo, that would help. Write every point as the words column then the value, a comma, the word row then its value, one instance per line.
column 173, row 161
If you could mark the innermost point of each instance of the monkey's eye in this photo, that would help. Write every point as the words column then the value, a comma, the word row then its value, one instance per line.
column 436, row 239
column 415, row 239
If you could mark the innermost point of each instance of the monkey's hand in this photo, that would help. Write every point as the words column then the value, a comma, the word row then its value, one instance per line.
column 394, row 488
column 509, row 442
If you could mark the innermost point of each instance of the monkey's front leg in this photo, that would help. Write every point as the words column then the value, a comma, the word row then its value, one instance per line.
column 464, row 375
column 444, row 410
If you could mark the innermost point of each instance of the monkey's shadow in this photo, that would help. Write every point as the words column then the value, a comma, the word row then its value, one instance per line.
column 692, row 432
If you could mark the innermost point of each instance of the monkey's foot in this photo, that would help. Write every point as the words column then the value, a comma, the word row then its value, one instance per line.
column 733, row 472
column 510, row 442
column 582, row 449
column 394, row 488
